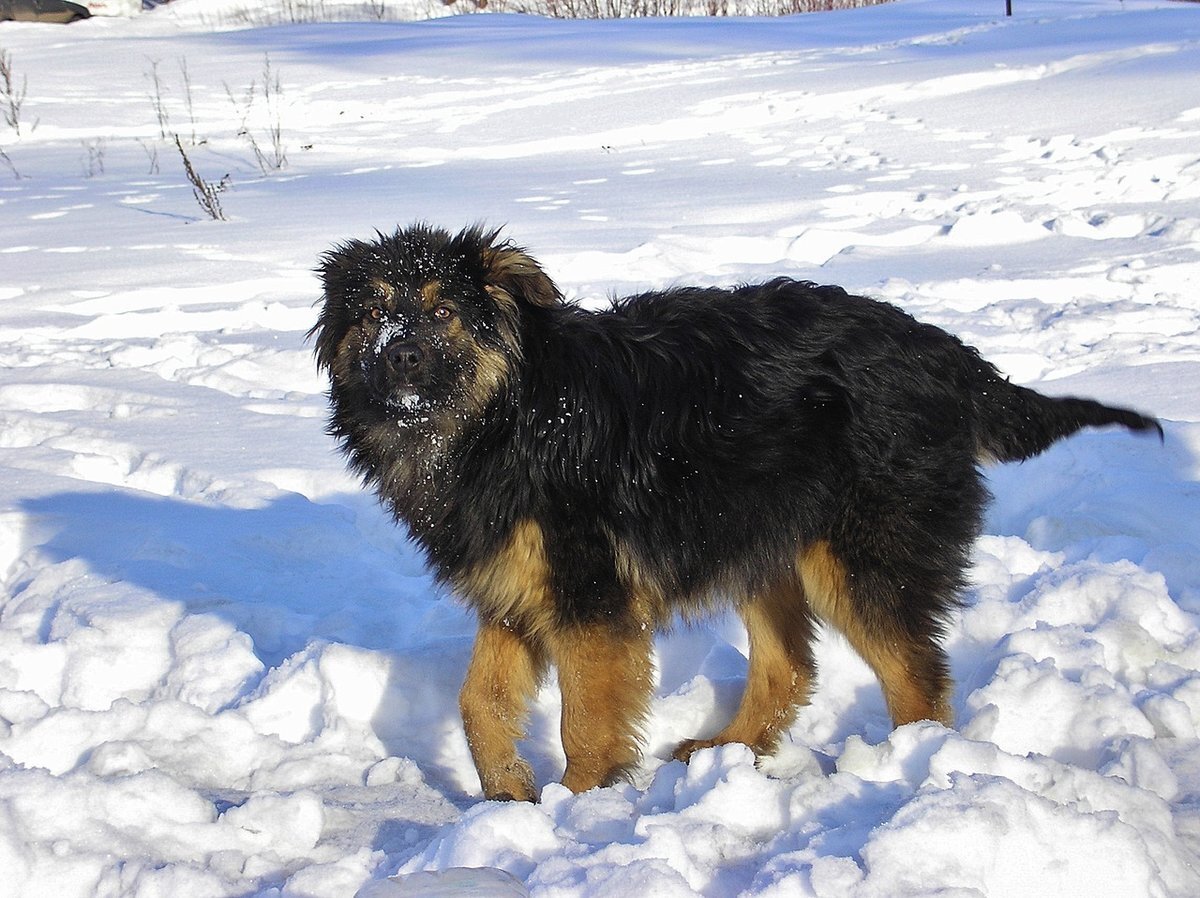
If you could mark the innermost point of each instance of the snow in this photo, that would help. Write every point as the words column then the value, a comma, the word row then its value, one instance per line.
column 223, row 670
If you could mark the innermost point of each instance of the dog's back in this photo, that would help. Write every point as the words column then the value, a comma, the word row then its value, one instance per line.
column 818, row 345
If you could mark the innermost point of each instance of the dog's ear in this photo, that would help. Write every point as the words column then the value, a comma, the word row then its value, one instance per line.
column 339, row 270
column 512, row 270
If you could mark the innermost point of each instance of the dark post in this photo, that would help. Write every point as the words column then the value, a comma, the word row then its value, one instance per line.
column 1008, row 7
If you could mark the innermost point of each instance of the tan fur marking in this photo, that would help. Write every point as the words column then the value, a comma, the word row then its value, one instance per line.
column 651, row 598
column 514, row 584
column 491, row 373
column 502, row 677
column 606, row 676
column 780, row 674
column 906, row 701
column 501, row 297
column 341, row 369
column 508, row 320
column 826, row 585
column 431, row 295
column 383, row 290
column 899, row 662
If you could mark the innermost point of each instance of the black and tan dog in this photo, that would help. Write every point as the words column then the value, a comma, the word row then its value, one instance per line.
column 580, row 477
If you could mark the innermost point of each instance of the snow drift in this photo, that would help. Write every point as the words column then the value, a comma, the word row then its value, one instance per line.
column 224, row 672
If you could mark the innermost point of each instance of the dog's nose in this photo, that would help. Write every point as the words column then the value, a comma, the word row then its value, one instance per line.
column 403, row 356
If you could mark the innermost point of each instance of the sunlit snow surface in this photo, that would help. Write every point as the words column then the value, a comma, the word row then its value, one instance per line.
column 223, row 672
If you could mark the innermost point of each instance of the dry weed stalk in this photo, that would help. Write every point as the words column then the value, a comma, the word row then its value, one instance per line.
column 206, row 193
column 11, row 96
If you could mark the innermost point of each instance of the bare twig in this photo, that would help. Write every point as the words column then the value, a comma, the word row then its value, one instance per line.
column 160, row 109
column 206, row 193
column 11, row 96
column 187, row 95
column 274, row 157
column 8, row 162
column 95, row 158
column 151, row 154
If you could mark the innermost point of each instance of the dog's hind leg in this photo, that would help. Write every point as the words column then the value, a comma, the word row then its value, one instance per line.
column 606, row 677
column 503, row 675
column 780, row 629
column 901, row 648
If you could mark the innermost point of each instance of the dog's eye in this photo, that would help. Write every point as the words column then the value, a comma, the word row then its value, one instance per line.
column 375, row 313
column 443, row 313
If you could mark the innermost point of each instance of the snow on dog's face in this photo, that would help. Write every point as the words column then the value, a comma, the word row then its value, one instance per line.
column 421, row 327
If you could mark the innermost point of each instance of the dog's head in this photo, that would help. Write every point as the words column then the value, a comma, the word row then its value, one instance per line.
column 422, row 323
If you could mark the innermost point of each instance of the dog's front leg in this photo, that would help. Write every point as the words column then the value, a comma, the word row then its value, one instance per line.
column 606, row 676
column 503, row 675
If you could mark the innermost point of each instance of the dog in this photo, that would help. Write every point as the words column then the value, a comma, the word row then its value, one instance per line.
column 580, row 478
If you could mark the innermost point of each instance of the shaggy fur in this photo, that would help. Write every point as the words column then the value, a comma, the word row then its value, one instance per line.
column 580, row 477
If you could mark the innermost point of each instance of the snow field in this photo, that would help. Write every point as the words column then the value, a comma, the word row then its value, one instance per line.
column 224, row 672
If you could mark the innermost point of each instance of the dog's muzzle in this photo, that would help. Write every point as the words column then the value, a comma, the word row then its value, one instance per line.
column 398, row 376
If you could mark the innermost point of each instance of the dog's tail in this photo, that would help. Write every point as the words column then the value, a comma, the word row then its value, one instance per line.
column 1015, row 423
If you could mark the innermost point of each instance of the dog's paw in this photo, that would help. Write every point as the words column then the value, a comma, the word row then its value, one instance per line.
column 514, row 782
column 688, row 747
